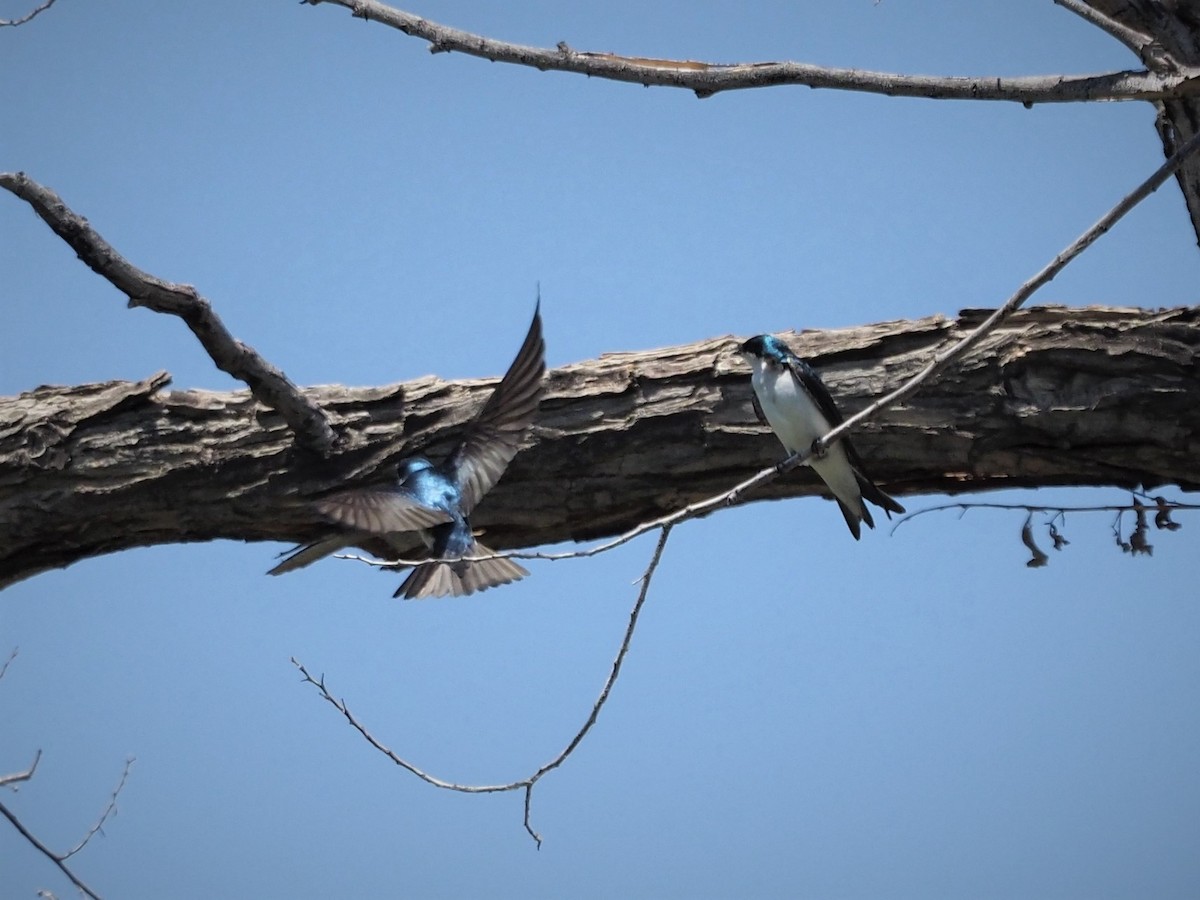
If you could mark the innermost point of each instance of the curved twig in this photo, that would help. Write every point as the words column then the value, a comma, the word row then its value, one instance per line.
column 527, row 783
column 108, row 811
column 33, row 13
column 267, row 383
column 966, row 506
column 706, row 79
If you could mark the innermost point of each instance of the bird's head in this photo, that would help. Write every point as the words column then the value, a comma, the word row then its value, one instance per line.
column 764, row 348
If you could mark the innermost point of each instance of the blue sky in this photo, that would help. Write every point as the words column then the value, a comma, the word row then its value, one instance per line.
column 915, row 715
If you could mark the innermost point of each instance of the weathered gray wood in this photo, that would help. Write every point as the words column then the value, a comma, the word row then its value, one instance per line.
column 1057, row 396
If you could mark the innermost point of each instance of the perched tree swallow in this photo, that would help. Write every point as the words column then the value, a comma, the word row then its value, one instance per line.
column 436, row 500
column 798, row 407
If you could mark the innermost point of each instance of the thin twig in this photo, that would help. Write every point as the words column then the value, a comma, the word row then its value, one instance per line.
column 108, row 811
column 7, row 662
column 525, row 784
column 706, row 79
column 60, row 859
column 966, row 506
column 267, row 383
column 613, row 674
column 29, row 15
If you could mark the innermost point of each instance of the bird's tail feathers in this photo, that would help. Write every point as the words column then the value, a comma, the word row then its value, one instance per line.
column 442, row 579
column 870, row 490
column 853, row 518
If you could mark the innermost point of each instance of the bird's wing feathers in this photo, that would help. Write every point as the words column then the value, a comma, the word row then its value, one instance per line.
column 494, row 438
column 306, row 554
column 379, row 510
column 808, row 378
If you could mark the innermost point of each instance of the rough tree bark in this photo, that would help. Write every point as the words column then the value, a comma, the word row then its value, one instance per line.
column 1056, row 396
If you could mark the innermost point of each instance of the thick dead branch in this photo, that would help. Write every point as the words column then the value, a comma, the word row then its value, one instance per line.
column 1055, row 396
column 706, row 79
column 268, row 383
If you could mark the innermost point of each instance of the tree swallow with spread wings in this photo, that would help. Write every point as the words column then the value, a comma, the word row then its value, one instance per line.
column 435, row 501
column 796, row 404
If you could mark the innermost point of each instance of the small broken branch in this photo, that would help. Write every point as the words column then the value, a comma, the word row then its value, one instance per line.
column 269, row 385
column 18, row 777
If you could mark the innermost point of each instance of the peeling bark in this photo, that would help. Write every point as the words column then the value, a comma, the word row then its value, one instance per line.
column 1056, row 396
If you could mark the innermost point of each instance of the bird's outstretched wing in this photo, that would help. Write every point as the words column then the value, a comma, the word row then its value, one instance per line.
column 494, row 438
column 379, row 510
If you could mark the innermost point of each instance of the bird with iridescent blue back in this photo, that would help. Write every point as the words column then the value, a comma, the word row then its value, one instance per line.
column 436, row 501
column 799, row 408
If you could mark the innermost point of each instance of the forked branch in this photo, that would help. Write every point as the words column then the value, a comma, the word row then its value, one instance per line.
column 268, row 384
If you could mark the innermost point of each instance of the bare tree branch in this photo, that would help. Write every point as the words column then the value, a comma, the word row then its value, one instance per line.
column 47, row 852
column 59, row 859
column 966, row 506
column 706, row 79
column 28, row 16
column 268, row 384
column 8, row 662
column 108, row 811
column 527, row 783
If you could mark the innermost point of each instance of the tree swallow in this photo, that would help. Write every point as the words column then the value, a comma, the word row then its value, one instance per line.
column 435, row 501
column 796, row 404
